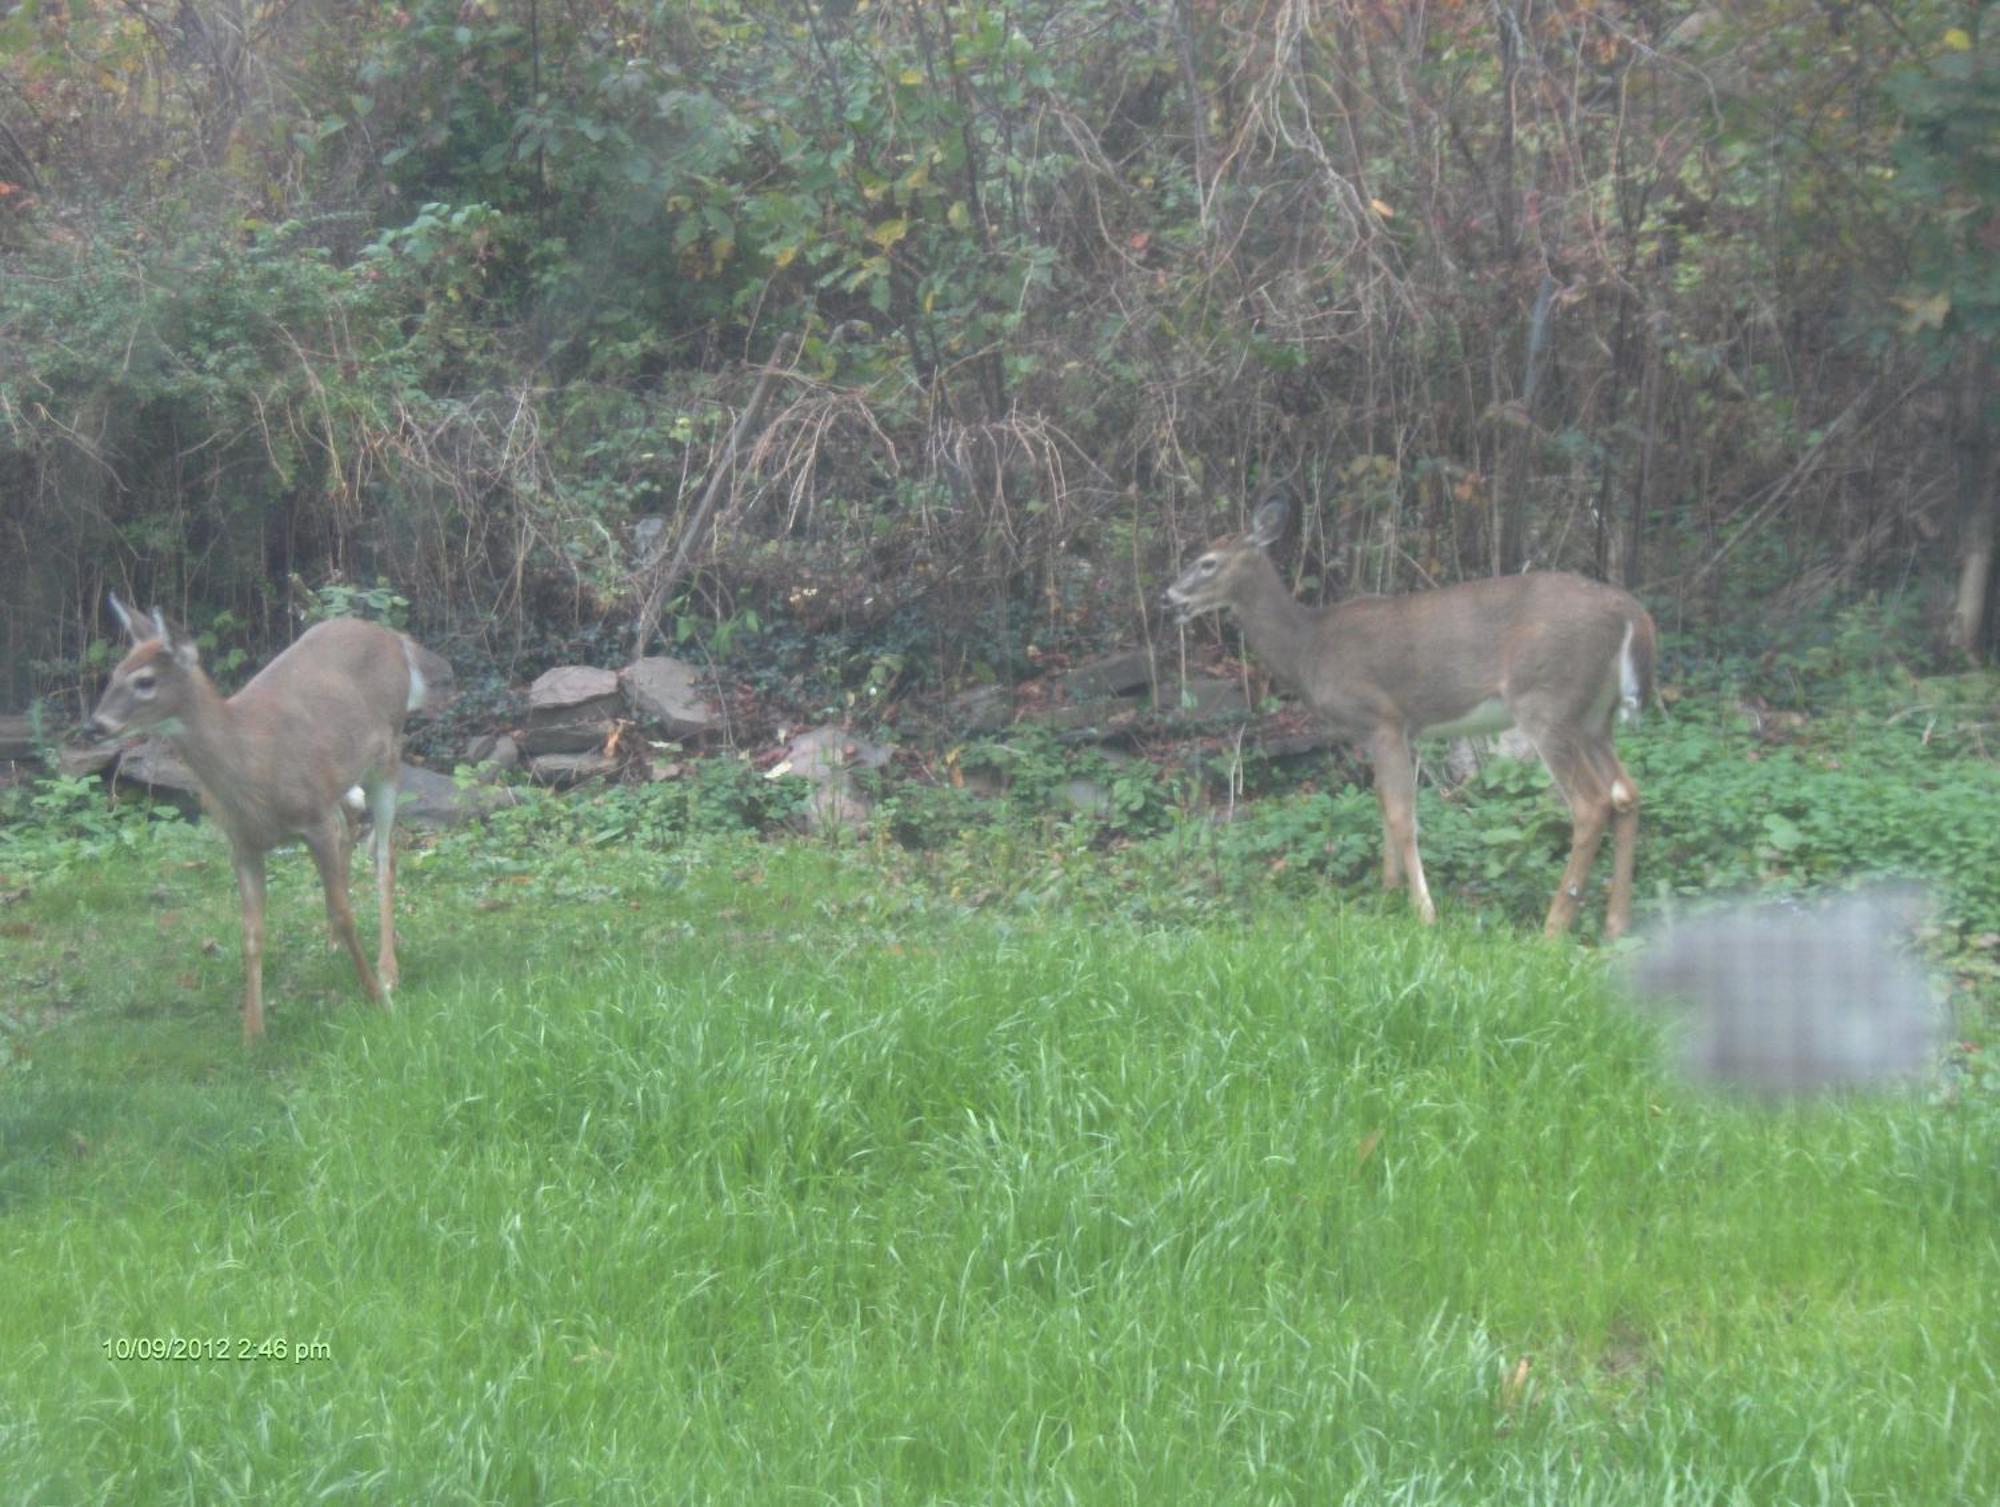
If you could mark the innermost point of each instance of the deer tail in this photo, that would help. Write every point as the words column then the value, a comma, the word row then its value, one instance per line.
column 430, row 676
column 1635, row 667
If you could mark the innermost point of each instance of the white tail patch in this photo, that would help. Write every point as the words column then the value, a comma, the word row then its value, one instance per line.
column 357, row 798
column 418, row 688
column 1628, row 678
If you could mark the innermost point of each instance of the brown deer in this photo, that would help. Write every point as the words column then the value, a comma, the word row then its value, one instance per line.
column 1557, row 655
column 320, row 724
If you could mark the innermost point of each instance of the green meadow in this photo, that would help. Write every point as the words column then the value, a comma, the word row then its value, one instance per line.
column 741, row 1171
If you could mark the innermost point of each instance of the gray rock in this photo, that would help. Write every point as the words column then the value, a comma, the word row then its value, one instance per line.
column 431, row 800
column 1205, row 696
column 1080, row 716
column 837, row 807
column 154, row 766
column 93, row 758
column 1088, row 796
column 1312, row 739
column 572, row 709
column 567, row 688
column 985, row 709
column 664, row 694
column 823, row 753
column 826, row 758
column 17, row 738
column 1119, row 674
column 566, row 769
column 497, row 750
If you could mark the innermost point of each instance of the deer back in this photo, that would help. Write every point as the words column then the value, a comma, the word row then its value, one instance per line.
column 1462, row 654
column 322, row 717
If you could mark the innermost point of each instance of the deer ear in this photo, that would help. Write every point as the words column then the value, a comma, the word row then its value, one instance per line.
column 125, row 620
column 183, row 650
column 1267, row 526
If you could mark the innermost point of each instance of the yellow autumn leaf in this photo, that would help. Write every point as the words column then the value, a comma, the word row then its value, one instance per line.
column 1924, row 313
column 958, row 216
column 889, row 232
column 1958, row 39
column 1382, row 209
column 786, row 256
column 909, row 76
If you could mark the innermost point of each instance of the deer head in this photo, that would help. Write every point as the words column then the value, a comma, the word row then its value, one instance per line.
column 1223, row 574
column 152, row 686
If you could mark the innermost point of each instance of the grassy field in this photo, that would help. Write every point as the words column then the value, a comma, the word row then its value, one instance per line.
column 750, row 1172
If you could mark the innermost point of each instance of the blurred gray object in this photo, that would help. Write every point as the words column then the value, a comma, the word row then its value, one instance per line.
column 1781, row 999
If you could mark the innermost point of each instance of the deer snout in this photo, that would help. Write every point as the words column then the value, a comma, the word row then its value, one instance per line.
column 102, row 725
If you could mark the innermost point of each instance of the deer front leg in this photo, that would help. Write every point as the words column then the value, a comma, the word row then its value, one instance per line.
column 249, row 866
column 328, row 845
column 1396, row 790
column 1392, row 856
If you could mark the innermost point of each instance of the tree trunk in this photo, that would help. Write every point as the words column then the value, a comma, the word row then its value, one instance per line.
column 1978, row 500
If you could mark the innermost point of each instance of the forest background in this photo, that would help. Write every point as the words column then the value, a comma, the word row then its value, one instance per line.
column 908, row 337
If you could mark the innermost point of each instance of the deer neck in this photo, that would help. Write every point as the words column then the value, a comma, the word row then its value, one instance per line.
column 203, row 735
column 1278, row 629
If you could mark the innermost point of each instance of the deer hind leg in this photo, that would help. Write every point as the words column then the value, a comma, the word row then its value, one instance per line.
column 1624, row 797
column 382, row 805
column 1575, row 768
column 249, row 866
column 1396, row 790
column 328, row 845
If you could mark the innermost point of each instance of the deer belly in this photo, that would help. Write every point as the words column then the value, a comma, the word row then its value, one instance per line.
column 1489, row 716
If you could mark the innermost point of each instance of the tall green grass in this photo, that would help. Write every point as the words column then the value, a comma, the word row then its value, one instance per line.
column 740, row 1183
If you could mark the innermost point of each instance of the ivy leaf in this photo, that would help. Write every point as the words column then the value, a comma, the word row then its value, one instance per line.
column 889, row 232
column 1782, row 833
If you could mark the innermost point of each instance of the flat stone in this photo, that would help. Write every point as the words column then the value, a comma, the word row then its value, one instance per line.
column 153, row 765
column 984, row 709
column 425, row 798
column 1087, row 796
column 497, row 750
column 92, row 758
column 1118, row 674
column 1078, row 716
column 1296, row 744
column 1205, row 696
column 822, row 753
column 664, row 694
column 837, row 807
column 565, row 769
column 572, row 709
column 571, row 686
column 17, row 738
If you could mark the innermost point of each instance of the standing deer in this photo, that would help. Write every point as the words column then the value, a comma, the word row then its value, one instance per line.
column 320, row 724
column 1551, row 653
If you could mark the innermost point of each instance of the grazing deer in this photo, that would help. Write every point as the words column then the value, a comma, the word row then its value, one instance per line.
column 1554, row 654
column 319, row 725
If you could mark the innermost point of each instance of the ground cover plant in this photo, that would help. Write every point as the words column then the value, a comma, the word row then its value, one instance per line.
column 1041, row 1163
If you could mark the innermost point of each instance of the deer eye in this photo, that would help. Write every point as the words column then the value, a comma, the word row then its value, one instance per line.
column 144, row 684
column 1207, row 565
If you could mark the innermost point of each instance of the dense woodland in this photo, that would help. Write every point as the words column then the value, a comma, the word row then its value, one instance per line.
column 937, row 329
